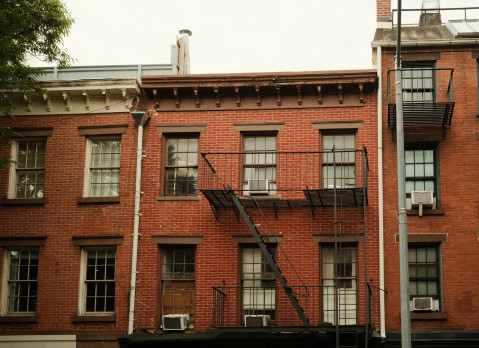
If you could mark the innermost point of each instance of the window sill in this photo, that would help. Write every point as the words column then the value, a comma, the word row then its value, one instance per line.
column 98, row 200
column 429, row 316
column 94, row 318
column 415, row 212
column 178, row 198
column 262, row 197
column 19, row 319
column 23, row 201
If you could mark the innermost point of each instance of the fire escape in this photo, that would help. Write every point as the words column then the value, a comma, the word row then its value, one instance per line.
column 334, row 180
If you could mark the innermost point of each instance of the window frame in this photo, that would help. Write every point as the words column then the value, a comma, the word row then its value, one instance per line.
column 423, row 64
column 88, row 167
column 5, row 310
column 436, row 156
column 166, row 166
column 438, row 279
column 12, row 187
column 258, row 311
column 82, row 305
column 355, row 277
column 162, row 280
column 325, row 163
column 242, row 161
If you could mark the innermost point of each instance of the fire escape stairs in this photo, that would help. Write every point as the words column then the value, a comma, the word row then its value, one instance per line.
column 269, row 258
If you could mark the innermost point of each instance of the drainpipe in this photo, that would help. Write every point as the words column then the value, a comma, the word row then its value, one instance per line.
column 140, row 117
column 382, row 312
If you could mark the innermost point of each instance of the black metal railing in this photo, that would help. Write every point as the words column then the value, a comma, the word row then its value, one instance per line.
column 272, row 172
column 411, row 17
column 428, row 96
column 232, row 306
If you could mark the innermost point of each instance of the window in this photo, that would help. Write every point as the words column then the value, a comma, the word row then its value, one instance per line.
column 98, row 280
column 29, row 170
column 102, row 172
column 21, row 268
column 181, row 170
column 424, row 272
column 178, row 281
column 421, row 169
column 342, row 166
column 418, row 82
column 258, row 282
column 259, row 161
column 347, row 279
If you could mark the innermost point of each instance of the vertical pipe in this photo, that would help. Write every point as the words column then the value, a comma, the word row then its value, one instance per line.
column 136, row 227
column 402, row 214
column 382, row 313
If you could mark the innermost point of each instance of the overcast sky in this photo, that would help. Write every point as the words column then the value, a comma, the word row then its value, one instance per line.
column 230, row 36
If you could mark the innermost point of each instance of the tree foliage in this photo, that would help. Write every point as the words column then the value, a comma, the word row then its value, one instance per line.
column 29, row 29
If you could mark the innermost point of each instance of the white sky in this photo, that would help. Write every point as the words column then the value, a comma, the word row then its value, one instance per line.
column 230, row 36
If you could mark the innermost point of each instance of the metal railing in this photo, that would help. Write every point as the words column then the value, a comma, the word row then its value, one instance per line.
column 423, row 85
column 410, row 17
column 284, row 171
column 232, row 304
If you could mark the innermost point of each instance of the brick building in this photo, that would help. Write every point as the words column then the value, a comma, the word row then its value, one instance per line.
column 440, row 93
column 237, row 162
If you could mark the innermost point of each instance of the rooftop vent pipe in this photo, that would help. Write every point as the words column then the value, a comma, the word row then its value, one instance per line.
column 430, row 13
column 183, row 57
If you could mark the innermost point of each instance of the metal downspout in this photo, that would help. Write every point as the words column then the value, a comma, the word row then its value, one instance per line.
column 139, row 117
column 382, row 310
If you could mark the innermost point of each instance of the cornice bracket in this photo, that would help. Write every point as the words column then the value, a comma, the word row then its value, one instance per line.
column 300, row 95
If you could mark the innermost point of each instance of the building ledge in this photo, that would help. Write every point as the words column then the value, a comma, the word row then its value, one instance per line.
column 23, row 201
column 13, row 319
column 177, row 198
column 415, row 212
column 429, row 316
column 98, row 200
column 94, row 318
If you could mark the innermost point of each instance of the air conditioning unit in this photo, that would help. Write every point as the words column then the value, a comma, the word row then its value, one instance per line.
column 422, row 304
column 258, row 187
column 256, row 320
column 424, row 197
column 175, row 322
column 421, row 199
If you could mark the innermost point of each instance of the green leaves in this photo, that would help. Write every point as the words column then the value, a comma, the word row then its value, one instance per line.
column 29, row 29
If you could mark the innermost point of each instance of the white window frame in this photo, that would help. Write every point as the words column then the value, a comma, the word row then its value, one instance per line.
column 6, row 275
column 12, row 183
column 88, row 157
column 82, row 294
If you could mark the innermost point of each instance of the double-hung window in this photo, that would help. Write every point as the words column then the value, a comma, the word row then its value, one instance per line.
column 339, row 166
column 425, row 272
column 102, row 172
column 341, row 271
column 29, row 157
column 418, row 82
column 98, row 280
column 258, row 282
column 21, row 286
column 421, row 169
column 259, row 163
column 178, row 281
column 181, row 169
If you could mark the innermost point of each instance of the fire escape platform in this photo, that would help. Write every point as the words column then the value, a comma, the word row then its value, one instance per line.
column 423, row 114
column 312, row 197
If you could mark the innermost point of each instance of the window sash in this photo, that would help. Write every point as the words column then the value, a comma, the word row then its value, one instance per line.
column 181, row 166
column 29, row 174
column 420, row 169
column 340, row 165
column 22, row 280
column 259, row 159
column 424, row 272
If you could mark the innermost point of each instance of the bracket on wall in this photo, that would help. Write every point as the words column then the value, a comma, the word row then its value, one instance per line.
column 197, row 97
column 300, row 95
column 27, row 102
column 67, row 99
column 361, row 93
column 320, row 95
column 47, row 101
column 278, row 91
column 157, row 98
column 177, row 97
column 340, row 93
column 258, row 95
column 238, row 97
column 87, row 100
column 218, row 100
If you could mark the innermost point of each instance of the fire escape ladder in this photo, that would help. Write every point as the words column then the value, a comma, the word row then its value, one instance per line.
column 277, row 272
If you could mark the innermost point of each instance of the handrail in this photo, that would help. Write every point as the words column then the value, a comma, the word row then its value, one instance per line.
column 430, row 10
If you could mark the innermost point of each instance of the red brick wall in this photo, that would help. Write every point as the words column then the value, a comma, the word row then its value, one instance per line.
column 217, row 256
column 458, row 165
column 62, row 217
column 383, row 8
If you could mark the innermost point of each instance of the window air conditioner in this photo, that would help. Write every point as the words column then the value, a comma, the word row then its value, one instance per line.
column 177, row 322
column 424, row 197
column 258, row 187
column 422, row 304
column 256, row 320
column 421, row 199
